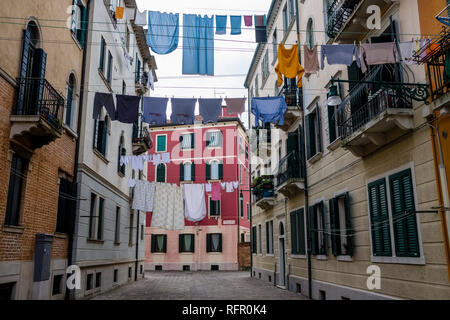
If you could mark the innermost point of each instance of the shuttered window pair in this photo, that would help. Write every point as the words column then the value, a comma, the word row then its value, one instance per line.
column 79, row 22
column 186, row 243
column 187, row 141
column 214, row 170
column 401, row 217
column 341, row 230
column 214, row 207
column 298, row 232
column 214, row 242
column 313, row 132
column 96, row 217
column 269, row 237
column 319, row 239
column 187, row 171
column 214, row 139
column 253, row 239
column 159, row 243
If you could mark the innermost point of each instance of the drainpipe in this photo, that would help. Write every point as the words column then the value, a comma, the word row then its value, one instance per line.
column 70, row 294
column 302, row 161
column 136, row 264
column 238, row 199
column 250, row 184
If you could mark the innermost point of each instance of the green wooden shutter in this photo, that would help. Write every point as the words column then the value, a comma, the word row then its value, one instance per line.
column 348, row 225
column 192, row 171
column 208, row 242
column 181, row 171
column 39, row 65
column 104, row 135
column 294, row 235
column 220, row 243
column 23, row 71
column 309, row 143
column 208, row 171
column 102, row 55
column 153, row 243
column 324, row 231
column 161, row 173
column 192, row 141
column 81, row 33
column 301, row 231
column 267, row 237
column 193, row 243
column 335, row 227
column 220, row 170
column 313, row 230
column 180, row 243
column 331, row 123
column 404, row 224
column 379, row 219
column 319, row 129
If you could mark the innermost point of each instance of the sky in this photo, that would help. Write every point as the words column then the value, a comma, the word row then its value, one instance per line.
column 232, row 57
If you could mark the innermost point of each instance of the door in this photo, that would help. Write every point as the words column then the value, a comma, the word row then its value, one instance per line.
column 282, row 262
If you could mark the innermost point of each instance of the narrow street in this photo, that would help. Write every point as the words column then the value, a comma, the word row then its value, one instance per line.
column 207, row 285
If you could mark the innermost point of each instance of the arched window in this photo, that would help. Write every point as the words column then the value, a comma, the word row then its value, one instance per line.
column 101, row 130
column 310, row 33
column 187, row 171
column 281, row 229
column 161, row 173
column 70, row 102
column 216, row 170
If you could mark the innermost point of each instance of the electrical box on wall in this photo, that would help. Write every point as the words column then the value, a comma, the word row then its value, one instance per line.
column 42, row 257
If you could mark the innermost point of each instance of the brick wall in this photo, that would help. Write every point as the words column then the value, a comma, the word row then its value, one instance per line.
column 40, row 197
column 244, row 255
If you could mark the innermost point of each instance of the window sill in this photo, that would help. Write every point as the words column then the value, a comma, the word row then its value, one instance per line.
column 270, row 255
column 95, row 241
column 214, row 253
column 315, row 158
column 335, row 144
column 101, row 156
column 158, row 253
column 298, row 256
column 321, row 257
column 70, row 131
column 13, row 229
column 76, row 41
column 345, row 258
column 186, row 253
column 107, row 84
column 399, row 260
column 116, row 243
column 120, row 174
column 60, row 235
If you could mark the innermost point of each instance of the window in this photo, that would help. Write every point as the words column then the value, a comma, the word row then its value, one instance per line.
column 159, row 243
column 142, row 232
column 124, row 87
column 186, row 243
column 161, row 173
column 89, row 281
column 122, row 152
column 214, row 170
column 17, row 177
column 248, row 211
column 265, row 66
column 253, row 239
column 341, row 225
column 187, row 171
column 313, row 133
column 117, row 227
column 334, row 118
column 127, row 38
column 79, row 23
column 310, row 33
column 116, row 275
column 401, row 216
column 70, row 102
column 66, row 205
column 102, row 55
column 130, row 270
column 110, row 66
column 259, row 239
column 161, row 143
column 291, row 10
column 242, row 237
column 319, row 243
column 256, row 86
column 100, row 135
column 275, row 45
column 98, row 279
column 242, row 207
column 214, row 207
column 96, row 217
column 214, row 139
column 187, row 141
column 131, row 227
column 214, row 242
column 137, row 71
column 269, row 237
column 57, row 284
column 285, row 20
column 298, row 232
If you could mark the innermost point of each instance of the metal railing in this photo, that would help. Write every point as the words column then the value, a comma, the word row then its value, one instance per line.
column 36, row 96
column 291, row 94
column 142, row 135
column 339, row 11
column 289, row 168
column 264, row 190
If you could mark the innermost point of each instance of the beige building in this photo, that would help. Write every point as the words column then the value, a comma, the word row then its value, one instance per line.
column 366, row 205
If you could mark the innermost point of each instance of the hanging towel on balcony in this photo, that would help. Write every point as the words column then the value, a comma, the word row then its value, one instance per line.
column 289, row 65
column 236, row 23
column 198, row 45
column 140, row 18
column 270, row 109
column 235, row 105
column 210, row 109
column 182, row 110
column 163, row 32
column 407, row 52
column 340, row 54
column 127, row 108
column 260, row 29
column 378, row 53
column 311, row 59
column 194, row 202
column 221, row 24
column 155, row 110
column 104, row 100
column 248, row 21
column 215, row 191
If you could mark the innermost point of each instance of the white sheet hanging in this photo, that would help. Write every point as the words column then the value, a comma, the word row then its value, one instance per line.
column 194, row 201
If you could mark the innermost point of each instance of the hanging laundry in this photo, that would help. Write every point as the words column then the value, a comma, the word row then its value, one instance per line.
column 210, row 109
column 131, row 182
column 289, row 65
column 248, row 21
column 163, row 32
column 168, row 207
column 311, row 59
column 140, row 18
column 236, row 23
column 198, row 45
column 182, row 111
column 157, row 159
column 270, row 109
column 340, row 54
column 236, row 184
column 151, row 80
column 165, row 157
column 223, row 185
column 216, row 194
column 407, row 52
column 235, row 105
column 119, row 12
column 229, row 187
column 143, row 196
column 127, row 108
column 260, row 29
column 155, row 110
column 124, row 160
column 207, row 187
column 378, row 53
column 194, row 202
column 221, row 24
column 104, row 100
column 137, row 162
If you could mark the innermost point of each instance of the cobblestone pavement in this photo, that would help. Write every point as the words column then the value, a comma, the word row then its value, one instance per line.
column 203, row 285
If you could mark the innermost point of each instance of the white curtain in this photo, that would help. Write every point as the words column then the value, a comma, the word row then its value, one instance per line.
column 214, row 170
column 186, row 141
column 187, row 172
column 215, row 242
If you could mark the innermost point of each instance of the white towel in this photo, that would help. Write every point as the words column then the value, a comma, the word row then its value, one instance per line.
column 165, row 157
column 131, row 183
column 236, row 184
column 230, row 187
column 223, row 185
column 156, row 159
column 194, row 202
column 407, row 52
column 141, row 18
column 143, row 195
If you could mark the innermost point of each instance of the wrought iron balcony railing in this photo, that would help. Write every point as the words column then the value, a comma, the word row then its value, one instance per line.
column 264, row 188
column 142, row 135
column 289, row 168
column 37, row 97
column 291, row 94
column 339, row 11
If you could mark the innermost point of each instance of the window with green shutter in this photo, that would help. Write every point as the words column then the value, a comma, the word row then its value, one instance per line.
column 253, row 239
column 214, row 207
column 161, row 141
column 102, row 55
column 213, row 139
column 341, row 225
column 161, row 173
column 298, row 244
column 186, row 243
column 269, row 237
column 158, row 243
column 404, row 223
column 214, row 242
column 319, row 242
column 379, row 219
column 187, row 141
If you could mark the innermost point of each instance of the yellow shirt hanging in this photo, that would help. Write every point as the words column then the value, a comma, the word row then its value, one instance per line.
column 289, row 65
column 119, row 12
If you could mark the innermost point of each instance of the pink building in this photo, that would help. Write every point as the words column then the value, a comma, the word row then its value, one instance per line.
column 202, row 153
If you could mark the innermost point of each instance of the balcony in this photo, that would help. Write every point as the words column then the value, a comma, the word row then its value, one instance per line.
column 36, row 119
column 435, row 55
column 347, row 19
column 142, row 141
column 379, row 109
column 141, row 85
column 294, row 100
column 290, row 177
column 264, row 140
column 264, row 192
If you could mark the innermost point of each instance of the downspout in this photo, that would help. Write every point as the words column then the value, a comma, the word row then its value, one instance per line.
column 303, row 166
column 238, row 200
column 136, row 264
column 70, row 294
column 250, row 186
